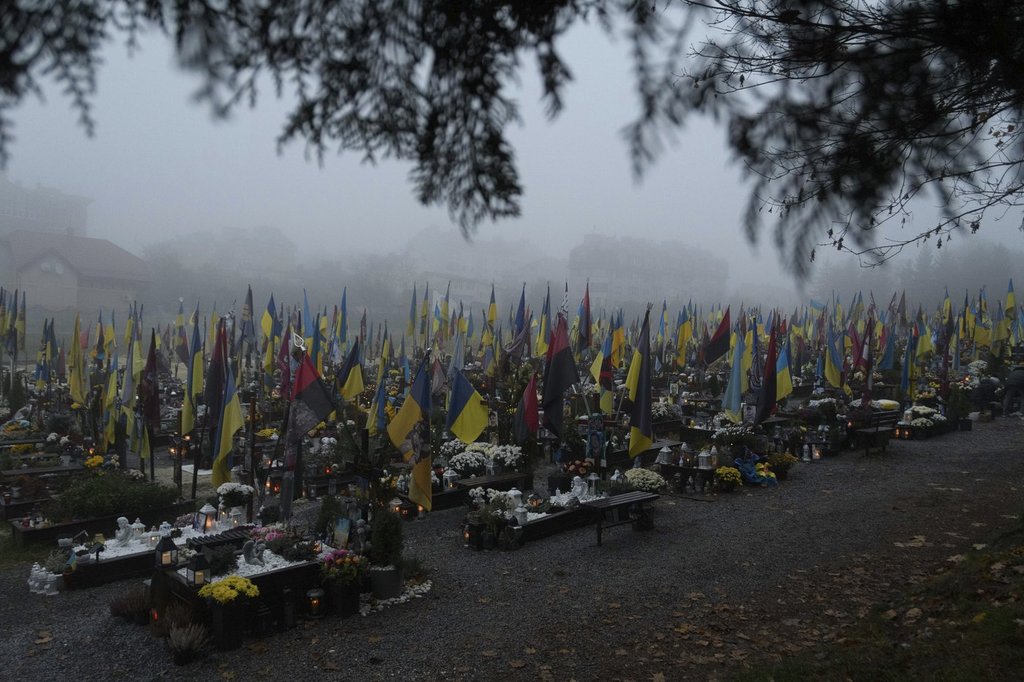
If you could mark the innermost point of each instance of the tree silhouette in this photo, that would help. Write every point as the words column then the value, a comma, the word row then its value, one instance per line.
column 843, row 111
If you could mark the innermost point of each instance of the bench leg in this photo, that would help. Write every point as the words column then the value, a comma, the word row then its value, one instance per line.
column 600, row 527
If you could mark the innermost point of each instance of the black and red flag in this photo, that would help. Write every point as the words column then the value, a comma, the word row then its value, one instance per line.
column 559, row 375
column 311, row 400
column 583, row 337
column 718, row 346
column 769, row 387
column 149, row 387
column 526, row 412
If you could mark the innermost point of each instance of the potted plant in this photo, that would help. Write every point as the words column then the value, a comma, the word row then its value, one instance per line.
column 386, row 555
column 780, row 464
column 958, row 406
column 342, row 572
column 235, row 495
column 228, row 599
column 645, row 480
column 727, row 479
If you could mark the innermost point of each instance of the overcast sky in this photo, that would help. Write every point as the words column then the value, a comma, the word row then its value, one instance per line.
column 160, row 164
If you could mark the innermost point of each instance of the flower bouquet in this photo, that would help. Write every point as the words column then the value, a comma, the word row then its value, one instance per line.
column 227, row 598
column 727, row 478
column 645, row 479
column 578, row 467
column 343, row 567
column 468, row 463
column 234, row 494
column 510, row 457
column 233, row 589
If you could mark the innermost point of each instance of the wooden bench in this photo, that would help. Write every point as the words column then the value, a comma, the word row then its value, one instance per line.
column 522, row 480
column 877, row 430
column 634, row 500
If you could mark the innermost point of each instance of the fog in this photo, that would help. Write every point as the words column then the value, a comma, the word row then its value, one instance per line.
column 161, row 171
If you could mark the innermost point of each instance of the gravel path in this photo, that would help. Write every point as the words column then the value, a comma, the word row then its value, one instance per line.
column 719, row 581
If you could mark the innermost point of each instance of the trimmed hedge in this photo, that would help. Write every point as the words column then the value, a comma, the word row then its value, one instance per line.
column 108, row 494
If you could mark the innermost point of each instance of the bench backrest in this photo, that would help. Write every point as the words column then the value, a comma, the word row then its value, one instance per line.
column 884, row 418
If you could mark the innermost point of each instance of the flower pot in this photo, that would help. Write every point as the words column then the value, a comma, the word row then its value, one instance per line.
column 344, row 598
column 487, row 538
column 386, row 581
column 227, row 622
column 183, row 657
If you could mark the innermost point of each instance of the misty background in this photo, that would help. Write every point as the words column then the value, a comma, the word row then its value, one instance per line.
column 212, row 206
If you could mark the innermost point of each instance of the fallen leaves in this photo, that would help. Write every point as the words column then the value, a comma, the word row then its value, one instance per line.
column 44, row 637
column 916, row 541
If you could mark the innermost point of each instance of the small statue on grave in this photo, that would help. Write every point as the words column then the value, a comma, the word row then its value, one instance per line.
column 252, row 552
column 123, row 535
column 579, row 487
column 358, row 542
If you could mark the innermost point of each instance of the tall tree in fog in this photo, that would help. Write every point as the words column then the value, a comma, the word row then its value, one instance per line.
column 842, row 111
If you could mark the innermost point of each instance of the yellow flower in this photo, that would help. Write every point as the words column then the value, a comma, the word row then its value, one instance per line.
column 229, row 589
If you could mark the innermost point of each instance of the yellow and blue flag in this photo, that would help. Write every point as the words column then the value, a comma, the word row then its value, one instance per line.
column 467, row 413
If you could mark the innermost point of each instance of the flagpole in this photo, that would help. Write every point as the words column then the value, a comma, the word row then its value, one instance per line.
column 202, row 432
column 152, row 463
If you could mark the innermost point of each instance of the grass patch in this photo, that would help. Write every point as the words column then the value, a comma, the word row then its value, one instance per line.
column 12, row 555
column 966, row 623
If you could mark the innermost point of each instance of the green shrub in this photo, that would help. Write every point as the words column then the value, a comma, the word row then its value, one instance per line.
column 61, row 423
column 282, row 544
column 269, row 515
column 330, row 511
column 222, row 560
column 386, row 537
column 300, row 551
column 17, row 395
column 109, row 494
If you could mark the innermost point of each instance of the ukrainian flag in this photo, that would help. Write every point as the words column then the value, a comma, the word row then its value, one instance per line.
column 833, row 360
column 231, row 420
column 783, row 378
column 415, row 408
column 733, row 398
column 467, row 414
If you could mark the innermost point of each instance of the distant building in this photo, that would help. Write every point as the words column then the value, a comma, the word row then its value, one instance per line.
column 41, row 209
column 63, row 273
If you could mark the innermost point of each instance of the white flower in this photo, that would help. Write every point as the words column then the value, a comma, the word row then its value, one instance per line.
column 922, row 411
column 236, row 488
column 468, row 462
column 645, row 479
column 51, row 438
column 509, row 456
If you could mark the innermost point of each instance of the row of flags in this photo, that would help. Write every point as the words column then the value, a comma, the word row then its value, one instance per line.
column 760, row 349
